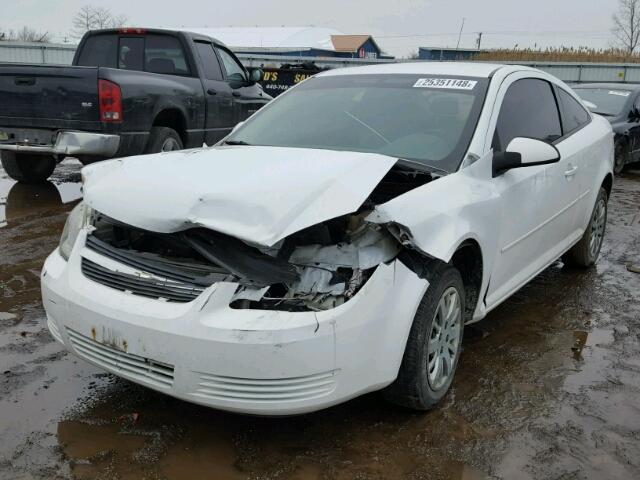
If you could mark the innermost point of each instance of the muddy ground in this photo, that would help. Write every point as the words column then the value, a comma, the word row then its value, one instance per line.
column 548, row 386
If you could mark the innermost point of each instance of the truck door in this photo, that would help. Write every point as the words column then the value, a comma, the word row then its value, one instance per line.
column 221, row 110
column 248, row 97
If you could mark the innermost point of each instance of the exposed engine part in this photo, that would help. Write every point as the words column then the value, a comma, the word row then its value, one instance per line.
column 317, row 268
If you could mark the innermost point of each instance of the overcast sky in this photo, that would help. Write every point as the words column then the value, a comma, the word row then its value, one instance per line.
column 400, row 26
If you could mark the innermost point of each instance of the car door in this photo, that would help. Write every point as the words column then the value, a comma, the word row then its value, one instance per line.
column 248, row 96
column 535, row 199
column 221, row 110
column 583, row 162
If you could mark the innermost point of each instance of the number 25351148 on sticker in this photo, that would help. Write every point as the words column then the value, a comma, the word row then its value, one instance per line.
column 446, row 83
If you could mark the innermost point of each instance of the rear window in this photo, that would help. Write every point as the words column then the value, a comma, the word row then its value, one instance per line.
column 99, row 51
column 164, row 54
column 573, row 115
column 131, row 53
column 151, row 53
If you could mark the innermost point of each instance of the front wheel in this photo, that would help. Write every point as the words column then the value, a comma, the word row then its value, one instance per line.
column 621, row 156
column 27, row 167
column 585, row 253
column 434, row 345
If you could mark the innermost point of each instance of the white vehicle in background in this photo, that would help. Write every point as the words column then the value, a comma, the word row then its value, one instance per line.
column 337, row 242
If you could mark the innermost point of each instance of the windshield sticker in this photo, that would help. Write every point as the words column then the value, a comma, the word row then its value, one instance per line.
column 619, row 92
column 446, row 83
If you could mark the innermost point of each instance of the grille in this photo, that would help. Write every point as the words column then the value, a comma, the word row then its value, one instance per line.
column 121, row 363
column 146, row 287
column 266, row 390
column 196, row 274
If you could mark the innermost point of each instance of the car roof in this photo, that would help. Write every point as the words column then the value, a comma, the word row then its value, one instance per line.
column 613, row 86
column 464, row 69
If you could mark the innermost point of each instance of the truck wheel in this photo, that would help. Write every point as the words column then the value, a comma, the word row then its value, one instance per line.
column 163, row 139
column 585, row 253
column 434, row 344
column 27, row 167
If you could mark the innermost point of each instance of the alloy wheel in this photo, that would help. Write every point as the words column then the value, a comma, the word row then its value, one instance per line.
column 598, row 222
column 444, row 339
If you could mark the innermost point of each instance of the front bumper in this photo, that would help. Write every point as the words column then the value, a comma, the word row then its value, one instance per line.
column 67, row 143
column 249, row 361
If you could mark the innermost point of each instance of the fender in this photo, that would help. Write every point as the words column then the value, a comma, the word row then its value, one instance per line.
column 439, row 216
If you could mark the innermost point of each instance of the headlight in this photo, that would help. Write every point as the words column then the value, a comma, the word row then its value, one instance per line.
column 78, row 218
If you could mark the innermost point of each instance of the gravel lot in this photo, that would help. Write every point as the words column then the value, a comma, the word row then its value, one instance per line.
column 548, row 386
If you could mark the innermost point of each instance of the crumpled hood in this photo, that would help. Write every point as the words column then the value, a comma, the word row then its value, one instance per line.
column 258, row 194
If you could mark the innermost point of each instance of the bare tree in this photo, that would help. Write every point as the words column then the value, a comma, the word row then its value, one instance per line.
column 25, row 34
column 83, row 21
column 626, row 25
column 91, row 18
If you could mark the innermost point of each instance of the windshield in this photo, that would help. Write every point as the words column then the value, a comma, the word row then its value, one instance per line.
column 415, row 117
column 605, row 101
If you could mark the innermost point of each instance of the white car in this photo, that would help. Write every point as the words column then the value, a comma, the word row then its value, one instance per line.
column 337, row 242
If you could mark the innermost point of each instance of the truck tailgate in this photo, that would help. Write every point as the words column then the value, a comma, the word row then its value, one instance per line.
column 52, row 97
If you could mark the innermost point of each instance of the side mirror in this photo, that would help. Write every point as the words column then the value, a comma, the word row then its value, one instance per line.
column 524, row 152
column 255, row 75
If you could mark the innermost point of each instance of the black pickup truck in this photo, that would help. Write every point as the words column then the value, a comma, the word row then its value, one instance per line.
column 129, row 92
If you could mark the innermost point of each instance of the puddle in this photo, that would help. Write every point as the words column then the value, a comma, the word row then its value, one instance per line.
column 19, row 201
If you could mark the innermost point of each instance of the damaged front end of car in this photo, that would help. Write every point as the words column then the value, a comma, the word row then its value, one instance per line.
column 316, row 268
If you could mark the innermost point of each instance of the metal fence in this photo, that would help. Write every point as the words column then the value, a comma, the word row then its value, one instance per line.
column 45, row 53
column 62, row 54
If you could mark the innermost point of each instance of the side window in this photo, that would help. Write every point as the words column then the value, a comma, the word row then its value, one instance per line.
column 131, row 53
column 209, row 61
column 574, row 115
column 164, row 54
column 99, row 51
column 234, row 70
column 529, row 109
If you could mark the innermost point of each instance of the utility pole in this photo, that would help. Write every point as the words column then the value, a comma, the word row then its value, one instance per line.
column 460, row 34
column 479, row 40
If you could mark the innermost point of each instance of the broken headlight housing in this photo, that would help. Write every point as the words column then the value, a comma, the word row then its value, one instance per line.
column 79, row 217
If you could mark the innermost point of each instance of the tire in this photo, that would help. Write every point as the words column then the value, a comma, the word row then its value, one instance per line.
column 585, row 253
column 163, row 139
column 621, row 156
column 415, row 387
column 28, row 168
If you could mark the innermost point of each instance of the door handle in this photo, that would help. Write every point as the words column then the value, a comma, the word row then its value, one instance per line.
column 571, row 172
column 25, row 81
column 212, row 91
column 235, row 93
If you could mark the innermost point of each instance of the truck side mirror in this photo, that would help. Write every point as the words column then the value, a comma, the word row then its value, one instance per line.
column 255, row 75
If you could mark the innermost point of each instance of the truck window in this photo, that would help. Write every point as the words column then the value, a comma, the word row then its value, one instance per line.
column 234, row 70
column 99, row 51
column 164, row 54
column 209, row 60
column 131, row 53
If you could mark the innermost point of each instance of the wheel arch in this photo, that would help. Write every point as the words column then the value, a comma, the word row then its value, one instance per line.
column 172, row 117
column 607, row 184
column 469, row 261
